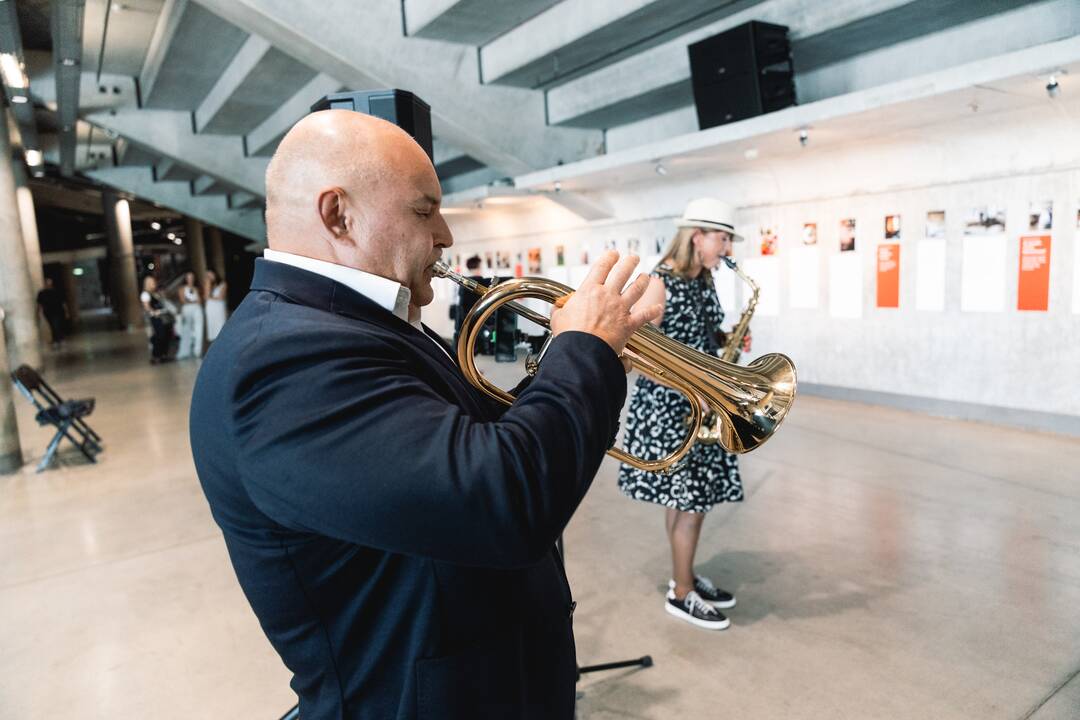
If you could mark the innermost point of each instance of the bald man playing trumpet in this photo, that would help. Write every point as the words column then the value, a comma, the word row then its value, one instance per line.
column 392, row 528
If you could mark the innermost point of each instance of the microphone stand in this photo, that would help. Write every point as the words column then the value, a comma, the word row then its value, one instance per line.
column 644, row 661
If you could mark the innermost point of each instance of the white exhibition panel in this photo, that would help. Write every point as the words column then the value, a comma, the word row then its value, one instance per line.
column 930, row 276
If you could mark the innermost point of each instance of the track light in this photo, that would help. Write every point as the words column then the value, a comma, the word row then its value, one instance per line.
column 155, row 225
column 804, row 136
column 1053, row 88
column 660, row 169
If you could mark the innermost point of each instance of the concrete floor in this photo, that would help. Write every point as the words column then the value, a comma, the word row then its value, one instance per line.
column 887, row 565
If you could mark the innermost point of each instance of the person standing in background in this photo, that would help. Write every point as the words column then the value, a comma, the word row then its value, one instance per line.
column 54, row 308
column 191, row 319
column 682, row 284
column 214, row 291
column 161, row 321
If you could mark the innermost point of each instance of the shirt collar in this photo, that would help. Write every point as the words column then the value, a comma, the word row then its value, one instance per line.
column 386, row 293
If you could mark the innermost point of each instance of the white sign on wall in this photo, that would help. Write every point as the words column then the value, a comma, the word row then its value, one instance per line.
column 930, row 276
column 724, row 279
column 765, row 271
column 803, row 272
column 982, row 284
column 845, row 285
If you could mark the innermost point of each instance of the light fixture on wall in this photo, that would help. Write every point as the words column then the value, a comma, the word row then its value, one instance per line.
column 660, row 169
column 558, row 186
column 155, row 225
column 804, row 136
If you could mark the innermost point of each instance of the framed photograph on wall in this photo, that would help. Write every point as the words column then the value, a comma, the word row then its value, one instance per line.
column 1041, row 215
column 769, row 240
column 847, row 235
column 984, row 220
column 892, row 227
column 935, row 224
column 809, row 234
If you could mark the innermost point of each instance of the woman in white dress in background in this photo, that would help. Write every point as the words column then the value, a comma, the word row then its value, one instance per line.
column 191, row 319
column 215, row 305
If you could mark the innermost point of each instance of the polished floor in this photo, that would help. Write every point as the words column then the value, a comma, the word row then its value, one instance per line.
column 887, row 565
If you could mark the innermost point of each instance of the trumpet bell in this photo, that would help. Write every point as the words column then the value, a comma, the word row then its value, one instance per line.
column 750, row 401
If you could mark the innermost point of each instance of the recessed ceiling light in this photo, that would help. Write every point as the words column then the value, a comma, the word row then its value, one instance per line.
column 660, row 169
column 18, row 99
column 33, row 157
column 155, row 225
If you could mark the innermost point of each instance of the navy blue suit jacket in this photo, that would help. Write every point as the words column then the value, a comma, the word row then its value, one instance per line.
column 392, row 527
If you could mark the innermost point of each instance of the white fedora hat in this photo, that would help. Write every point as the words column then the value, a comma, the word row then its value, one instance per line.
column 709, row 214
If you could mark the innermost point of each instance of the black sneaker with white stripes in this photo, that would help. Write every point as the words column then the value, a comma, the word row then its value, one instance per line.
column 711, row 594
column 696, row 611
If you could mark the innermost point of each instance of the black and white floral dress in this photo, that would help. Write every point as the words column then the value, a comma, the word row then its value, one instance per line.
column 656, row 422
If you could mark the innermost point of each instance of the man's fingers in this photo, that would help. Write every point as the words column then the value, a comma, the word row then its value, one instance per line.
column 636, row 290
column 621, row 272
column 600, row 269
column 640, row 316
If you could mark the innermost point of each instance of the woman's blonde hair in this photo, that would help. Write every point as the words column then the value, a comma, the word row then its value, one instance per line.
column 679, row 255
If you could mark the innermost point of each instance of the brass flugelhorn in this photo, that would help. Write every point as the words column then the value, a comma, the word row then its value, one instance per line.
column 750, row 401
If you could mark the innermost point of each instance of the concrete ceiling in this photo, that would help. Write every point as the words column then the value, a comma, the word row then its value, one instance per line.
column 190, row 97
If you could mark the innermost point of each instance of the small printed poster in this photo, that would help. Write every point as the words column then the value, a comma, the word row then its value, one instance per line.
column 983, row 220
column 488, row 255
column 1033, row 292
column 892, row 227
column 534, row 261
column 633, row 246
column 847, row 235
column 930, row 275
column 888, row 275
column 502, row 260
column 766, row 273
column 845, row 285
column 560, row 255
column 584, row 257
column 519, row 267
column 1041, row 216
column 809, row 234
column 935, row 224
column 803, row 273
column 984, row 272
column 769, row 241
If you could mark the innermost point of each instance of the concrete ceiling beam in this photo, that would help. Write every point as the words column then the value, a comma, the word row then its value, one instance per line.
column 239, row 200
column 251, row 54
column 264, row 139
column 471, row 22
column 170, row 135
column 206, row 185
column 168, row 23
column 446, row 76
column 213, row 210
column 577, row 34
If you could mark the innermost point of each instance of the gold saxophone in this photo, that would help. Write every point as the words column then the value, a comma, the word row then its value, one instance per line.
column 709, row 432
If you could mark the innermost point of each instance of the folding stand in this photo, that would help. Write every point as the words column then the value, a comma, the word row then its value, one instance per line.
column 644, row 661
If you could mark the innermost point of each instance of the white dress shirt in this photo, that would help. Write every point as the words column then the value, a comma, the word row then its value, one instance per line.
column 388, row 294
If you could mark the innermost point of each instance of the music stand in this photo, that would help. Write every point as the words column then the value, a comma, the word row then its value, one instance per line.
column 645, row 661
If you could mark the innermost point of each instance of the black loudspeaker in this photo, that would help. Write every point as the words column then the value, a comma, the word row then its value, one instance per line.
column 506, row 322
column 740, row 73
column 400, row 107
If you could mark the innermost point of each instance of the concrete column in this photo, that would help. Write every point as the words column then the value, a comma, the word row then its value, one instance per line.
column 10, row 451
column 17, row 296
column 123, row 284
column 196, row 248
column 70, row 287
column 28, row 220
column 216, row 250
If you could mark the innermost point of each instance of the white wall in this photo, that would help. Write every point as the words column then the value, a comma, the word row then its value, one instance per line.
column 1018, row 360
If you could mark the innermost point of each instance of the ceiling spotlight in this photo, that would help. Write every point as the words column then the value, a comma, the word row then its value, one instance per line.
column 18, row 99
column 178, row 241
column 558, row 186
column 751, row 154
column 660, row 169
column 1053, row 88
column 77, row 272
column 33, row 157
column 149, row 266
column 155, row 225
column 804, row 136
column 171, row 236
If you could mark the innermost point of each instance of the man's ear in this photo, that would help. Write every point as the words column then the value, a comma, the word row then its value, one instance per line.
column 332, row 212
